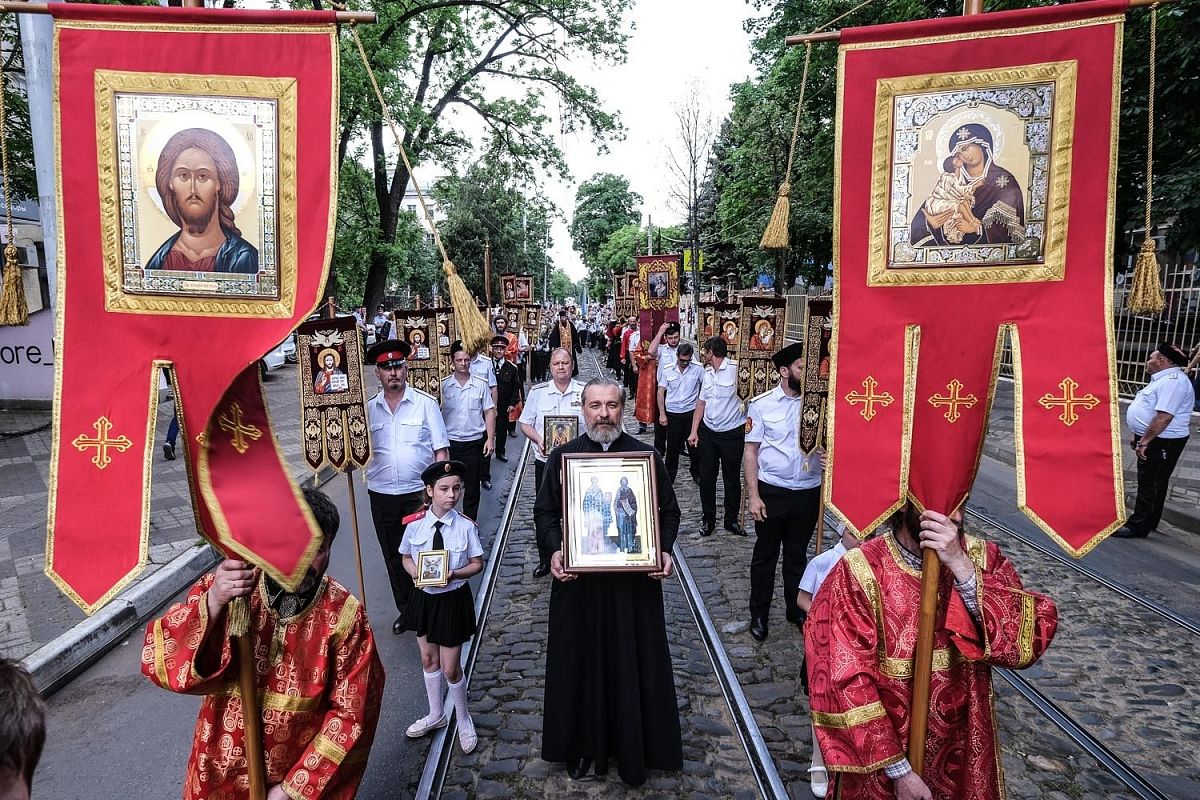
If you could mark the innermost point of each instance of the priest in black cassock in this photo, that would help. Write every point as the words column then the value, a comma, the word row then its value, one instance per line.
column 610, row 690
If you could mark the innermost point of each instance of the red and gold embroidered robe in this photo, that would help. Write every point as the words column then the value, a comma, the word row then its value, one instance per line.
column 859, row 641
column 320, row 685
column 646, row 408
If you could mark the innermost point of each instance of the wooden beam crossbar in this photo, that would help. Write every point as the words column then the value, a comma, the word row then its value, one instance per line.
column 364, row 17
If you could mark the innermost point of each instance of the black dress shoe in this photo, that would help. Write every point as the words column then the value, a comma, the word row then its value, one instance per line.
column 758, row 628
column 512, row 434
column 502, row 457
column 168, row 451
column 543, row 569
column 579, row 768
column 735, row 528
column 487, row 485
column 397, row 626
column 1126, row 532
column 706, row 529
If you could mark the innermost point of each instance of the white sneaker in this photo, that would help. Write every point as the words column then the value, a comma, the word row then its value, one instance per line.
column 424, row 725
column 818, row 785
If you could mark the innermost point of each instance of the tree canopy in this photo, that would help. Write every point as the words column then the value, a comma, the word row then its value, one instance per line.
column 604, row 203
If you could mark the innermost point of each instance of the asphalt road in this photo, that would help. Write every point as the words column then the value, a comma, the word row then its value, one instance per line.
column 112, row 734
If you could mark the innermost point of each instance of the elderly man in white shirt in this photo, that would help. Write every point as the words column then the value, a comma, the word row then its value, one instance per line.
column 1158, row 417
column 407, row 435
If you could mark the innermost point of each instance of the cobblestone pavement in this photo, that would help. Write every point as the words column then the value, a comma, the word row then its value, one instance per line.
column 506, row 698
column 32, row 610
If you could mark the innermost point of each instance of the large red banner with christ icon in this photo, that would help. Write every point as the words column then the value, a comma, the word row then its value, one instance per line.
column 976, row 161
column 185, row 140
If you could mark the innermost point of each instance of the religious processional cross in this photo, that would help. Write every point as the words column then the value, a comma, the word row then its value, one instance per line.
column 102, row 443
column 231, row 421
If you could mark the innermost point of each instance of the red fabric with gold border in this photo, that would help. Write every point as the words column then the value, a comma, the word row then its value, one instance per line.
column 916, row 346
column 114, row 335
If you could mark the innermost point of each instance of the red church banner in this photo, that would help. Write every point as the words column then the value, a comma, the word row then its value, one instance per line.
column 657, row 292
column 975, row 169
column 185, row 140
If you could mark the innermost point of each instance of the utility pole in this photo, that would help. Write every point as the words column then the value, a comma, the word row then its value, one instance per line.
column 487, row 271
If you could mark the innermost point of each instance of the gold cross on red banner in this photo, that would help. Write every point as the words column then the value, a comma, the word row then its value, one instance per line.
column 869, row 399
column 231, row 421
column 102, row 443
column 1068, row 401
column 952, row 400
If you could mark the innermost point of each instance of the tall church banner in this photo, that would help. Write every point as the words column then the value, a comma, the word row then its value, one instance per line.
column 818, row 331
column 333, row 417
column 974, row 200
column 760, row 334
column 429, row 331
column 184, row 142
column 657, row 292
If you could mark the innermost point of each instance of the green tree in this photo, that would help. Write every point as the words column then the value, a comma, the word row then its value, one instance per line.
column 603, row 203
column 500, row 61
column 22, row 180
column 618, row 252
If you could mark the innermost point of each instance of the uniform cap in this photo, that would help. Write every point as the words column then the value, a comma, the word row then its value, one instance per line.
column 788, row 354
column 442, row 469
column 388, row 352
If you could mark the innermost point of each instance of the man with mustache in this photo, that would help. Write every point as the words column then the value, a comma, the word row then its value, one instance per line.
column 319, row 694
column 610, row 690
column 197, row 179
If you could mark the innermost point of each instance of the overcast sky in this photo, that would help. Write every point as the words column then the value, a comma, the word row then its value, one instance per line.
column 675, row 43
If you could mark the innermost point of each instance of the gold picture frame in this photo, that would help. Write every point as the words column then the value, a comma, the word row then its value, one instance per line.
column 610, row 512
column 1021, row 116
column 433, row 569
column 559, row 429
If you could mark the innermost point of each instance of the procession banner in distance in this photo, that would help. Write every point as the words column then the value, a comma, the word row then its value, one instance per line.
column 818, row 330
column 185, row 139
column 516, row 289
column 727, row 323
column 760, row 334
column 975, row 184
column 531, row 322
column 333, row 419
column 657, row 292
column 428, row 362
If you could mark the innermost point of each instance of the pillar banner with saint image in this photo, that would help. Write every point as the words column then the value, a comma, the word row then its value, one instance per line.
column 974, row 200
column 185, row 139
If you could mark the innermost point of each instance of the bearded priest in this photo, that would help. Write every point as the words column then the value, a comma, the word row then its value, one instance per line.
column 610, row 690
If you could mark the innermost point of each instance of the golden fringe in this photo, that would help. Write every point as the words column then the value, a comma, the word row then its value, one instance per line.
column 473, row 327
column 13, row 308
column 775, row 237
column 238, row 619
column 1146, row 292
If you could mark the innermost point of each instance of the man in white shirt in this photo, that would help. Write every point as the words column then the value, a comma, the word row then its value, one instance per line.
column 1158, row 417
column 783, row 488
column 407, row 435
column 663, row 346
column 718, row 434
column 678, row 390
column 483, row 368
column 469, row 411
column 562, row 396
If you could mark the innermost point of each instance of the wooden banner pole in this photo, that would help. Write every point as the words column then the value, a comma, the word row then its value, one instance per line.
column 251, row 714
column 362, row 587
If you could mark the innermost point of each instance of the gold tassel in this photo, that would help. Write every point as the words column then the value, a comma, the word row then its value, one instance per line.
column 13, row 308
column 238, row 620
column 473, row 327
column 775, row 237
column 1146, row 292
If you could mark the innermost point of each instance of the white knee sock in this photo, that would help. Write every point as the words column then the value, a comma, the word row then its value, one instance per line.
column 458, row 694
column 434, row 689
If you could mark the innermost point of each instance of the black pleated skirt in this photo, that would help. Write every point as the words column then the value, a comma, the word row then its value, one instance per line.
column 446, row 619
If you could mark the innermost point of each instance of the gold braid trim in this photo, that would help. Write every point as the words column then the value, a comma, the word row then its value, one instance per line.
column 1025, row 639
column 849, row 719
column 160, row 652
column 325, row 748
column 943, row 659
column 878, row 765
column 345, row 619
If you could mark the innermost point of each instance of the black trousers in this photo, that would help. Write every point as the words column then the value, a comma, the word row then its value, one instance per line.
column 471, row 455
column 630, row 378
column 721, row 451
column 387, row 511
column 678, row 427
column 1153, row 480
column 660, row 438
column 791, row 520
column 503, row 426
column 539, row 469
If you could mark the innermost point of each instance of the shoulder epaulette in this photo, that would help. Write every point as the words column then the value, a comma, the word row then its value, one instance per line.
column 539, row 385
column 422, row 392
column 411, row 518
column 760, row 396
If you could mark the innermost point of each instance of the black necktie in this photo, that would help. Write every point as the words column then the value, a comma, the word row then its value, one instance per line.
column 438, row 542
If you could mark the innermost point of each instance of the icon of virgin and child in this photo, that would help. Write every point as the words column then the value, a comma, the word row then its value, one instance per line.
column 197, row 179
column 975, row 201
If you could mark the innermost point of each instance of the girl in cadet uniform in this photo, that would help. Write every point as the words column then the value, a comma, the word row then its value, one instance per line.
column 443, row 617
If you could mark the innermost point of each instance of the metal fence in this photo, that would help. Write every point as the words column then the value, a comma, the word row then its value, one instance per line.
column 1136, row 335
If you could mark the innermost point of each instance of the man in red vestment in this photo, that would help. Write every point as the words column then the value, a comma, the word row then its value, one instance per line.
column 320, row 680
column 859, row 641
column 646, row 367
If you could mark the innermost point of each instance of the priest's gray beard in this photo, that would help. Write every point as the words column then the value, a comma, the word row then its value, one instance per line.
column 603, row 431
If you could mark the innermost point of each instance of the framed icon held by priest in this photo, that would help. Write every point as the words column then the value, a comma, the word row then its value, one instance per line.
column 433, row 568
column 610, row 512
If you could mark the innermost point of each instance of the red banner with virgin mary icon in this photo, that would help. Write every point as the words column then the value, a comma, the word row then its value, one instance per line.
column 975, row 184
column 185, row 140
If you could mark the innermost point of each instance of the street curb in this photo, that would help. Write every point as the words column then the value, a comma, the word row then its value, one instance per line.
column 57, row 662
